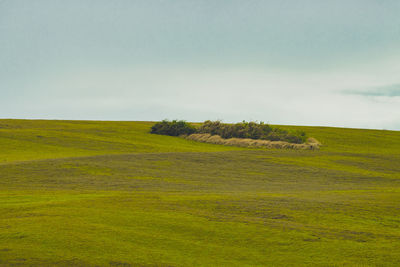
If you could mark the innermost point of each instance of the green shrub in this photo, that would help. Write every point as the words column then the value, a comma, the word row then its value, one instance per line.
column 173, row 128
column 243, row 129
column 251, row 130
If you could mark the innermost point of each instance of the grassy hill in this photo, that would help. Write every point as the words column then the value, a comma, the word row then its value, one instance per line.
column 109, row 193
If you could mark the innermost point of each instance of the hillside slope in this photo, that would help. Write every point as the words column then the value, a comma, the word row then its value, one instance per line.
column 109, row 193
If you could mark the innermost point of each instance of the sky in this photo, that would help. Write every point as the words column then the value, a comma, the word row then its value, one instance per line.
column 310, row 62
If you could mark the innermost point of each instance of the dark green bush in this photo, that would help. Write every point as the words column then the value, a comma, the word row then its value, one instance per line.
column 243, row 129
column 173, row 128
column 251, row 130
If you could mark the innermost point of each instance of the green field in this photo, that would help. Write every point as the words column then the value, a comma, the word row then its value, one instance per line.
column 91, row 193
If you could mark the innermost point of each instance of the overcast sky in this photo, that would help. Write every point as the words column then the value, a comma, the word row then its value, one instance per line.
column 309, row 62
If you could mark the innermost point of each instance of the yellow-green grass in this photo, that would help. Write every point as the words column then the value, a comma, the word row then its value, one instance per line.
column 96, row 193
column 42, row 139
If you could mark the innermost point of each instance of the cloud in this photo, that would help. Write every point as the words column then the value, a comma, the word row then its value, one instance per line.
column 392, row 90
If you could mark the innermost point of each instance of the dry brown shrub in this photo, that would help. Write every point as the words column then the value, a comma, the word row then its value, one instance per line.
column 215, row 139
column 312, row 143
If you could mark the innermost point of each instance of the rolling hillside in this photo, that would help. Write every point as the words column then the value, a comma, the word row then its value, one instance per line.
column 109, row 193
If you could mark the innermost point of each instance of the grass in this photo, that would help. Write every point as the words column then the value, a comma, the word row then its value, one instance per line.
column 111, row 194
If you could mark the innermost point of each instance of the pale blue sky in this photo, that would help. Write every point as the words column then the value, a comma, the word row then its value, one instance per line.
column 308, row 62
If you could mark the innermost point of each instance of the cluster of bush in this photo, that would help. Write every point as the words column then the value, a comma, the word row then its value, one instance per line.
column 173, row 128
column 252, row 130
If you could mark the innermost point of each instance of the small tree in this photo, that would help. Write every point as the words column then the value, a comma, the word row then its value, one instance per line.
column 172, row 128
